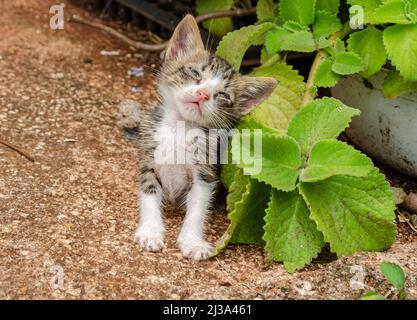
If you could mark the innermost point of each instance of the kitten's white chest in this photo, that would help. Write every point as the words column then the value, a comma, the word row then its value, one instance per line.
column 170, row 158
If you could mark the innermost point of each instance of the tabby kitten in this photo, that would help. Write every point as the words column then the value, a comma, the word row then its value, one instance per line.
column 197, row 92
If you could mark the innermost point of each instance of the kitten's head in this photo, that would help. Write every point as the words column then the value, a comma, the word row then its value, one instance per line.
column 204, row 88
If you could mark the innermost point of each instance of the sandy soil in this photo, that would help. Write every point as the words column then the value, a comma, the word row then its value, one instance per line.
column 67, row 220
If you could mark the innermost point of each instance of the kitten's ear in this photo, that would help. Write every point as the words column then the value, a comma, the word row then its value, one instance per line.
column 254, row 90
column 185, row 40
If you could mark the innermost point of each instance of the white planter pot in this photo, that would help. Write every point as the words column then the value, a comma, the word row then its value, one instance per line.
column 387, row 128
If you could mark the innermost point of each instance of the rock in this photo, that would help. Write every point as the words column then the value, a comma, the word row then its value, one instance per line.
column 109, row 53
column 57, row 76
column 136, row 72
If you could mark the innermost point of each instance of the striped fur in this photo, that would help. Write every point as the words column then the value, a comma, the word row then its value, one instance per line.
column 187, row 68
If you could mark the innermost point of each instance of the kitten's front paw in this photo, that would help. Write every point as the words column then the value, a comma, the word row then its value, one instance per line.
column 149, row 241
column 196, row 250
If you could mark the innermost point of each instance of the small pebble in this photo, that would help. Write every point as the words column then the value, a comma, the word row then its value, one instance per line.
column 136, row 72
column 57, row 76
column 135, row 89
column 109, row 53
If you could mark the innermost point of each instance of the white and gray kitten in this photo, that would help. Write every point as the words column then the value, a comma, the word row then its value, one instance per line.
column 202, row 92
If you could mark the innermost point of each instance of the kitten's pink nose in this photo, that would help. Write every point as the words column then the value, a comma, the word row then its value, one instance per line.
column 202, row 95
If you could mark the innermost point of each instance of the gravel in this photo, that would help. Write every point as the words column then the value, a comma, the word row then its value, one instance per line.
column 67, row 220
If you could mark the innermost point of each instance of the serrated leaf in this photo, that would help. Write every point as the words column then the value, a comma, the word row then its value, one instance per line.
column 394, row 11
column 293, row 26
column 330, row 158
column 246, row 204
column 290, row 235
column 218, row 26
column 234, row 45
column 265, row 56
column 280, row 39
column 229, row 169
column 346, row 63
column 284, row 102
column 394, row 274
column 251, row 123
column 300, row 41
column 372, row 295
column 339, row 46
column 274, row 38
column 331, row 6
column 401, row 44
column 301, row 11
column 354, row 214
column 324, row 76
column 325, row 24
column 321, row 119
column 395, row 85
column 266, row 10
column 227, row 174
column 280, row 160
column 369, row 46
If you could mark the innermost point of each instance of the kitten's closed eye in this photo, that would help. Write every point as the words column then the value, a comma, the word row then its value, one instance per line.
column 223, row 95
column 194, row 72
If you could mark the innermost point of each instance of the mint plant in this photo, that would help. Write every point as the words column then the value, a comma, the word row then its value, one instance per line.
column 385, row 36
column 396, row 276
column 313, row 189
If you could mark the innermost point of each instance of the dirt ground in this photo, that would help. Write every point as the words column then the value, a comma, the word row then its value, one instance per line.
column 67, row 219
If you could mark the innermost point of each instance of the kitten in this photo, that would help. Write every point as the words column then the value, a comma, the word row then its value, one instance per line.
column 197, row 91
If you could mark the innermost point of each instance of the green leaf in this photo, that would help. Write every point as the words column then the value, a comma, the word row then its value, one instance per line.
column 330, row 158
column 286, row 99
column 394, row 11
column 321, row 119
column 246, row 204
column 394, row 273
column 234, row 45
column 293, row 26
column 219, row 26
column 274, row 38
column 347, row 63
column 331, row 6
column 325, row 24
column 266, row 10
column 265, row 56
column 227, row 174
column 339, row 46
column 369, row 46
column 229, row 169
column 280, row 39
column 401, row 44
column 290, row 235
column 372, row 295
column 324, row 76
column 280, row 160
column 301, row 11
column 300, row 41
column 354, row 214
column 395, row 85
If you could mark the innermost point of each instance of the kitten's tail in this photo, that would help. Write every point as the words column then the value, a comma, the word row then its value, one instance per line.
column 128, row 119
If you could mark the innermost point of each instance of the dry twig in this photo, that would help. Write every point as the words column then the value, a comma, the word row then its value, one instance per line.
column 18, row 150
column 159, row 47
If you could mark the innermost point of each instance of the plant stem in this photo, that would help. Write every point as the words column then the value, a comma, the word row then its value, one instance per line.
column 308, row 94
column 321, row 54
